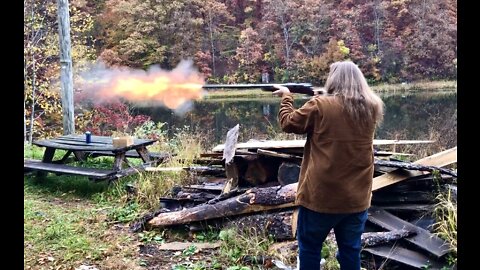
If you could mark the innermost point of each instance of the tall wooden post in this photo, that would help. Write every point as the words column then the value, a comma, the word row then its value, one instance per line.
column 66, row 76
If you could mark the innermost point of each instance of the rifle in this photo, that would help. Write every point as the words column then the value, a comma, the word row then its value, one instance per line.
column 300, row 88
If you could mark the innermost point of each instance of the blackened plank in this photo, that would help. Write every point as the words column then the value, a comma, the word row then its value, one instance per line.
column 422, row 238
column 405, row 256
column 396, row 197
column 408, row 207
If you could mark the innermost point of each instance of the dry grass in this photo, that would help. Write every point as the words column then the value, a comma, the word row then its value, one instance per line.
column 446, row 215
column 442, row 133
column 153, row 185
column 185, row 147
column 252, row 93
column 416, row 86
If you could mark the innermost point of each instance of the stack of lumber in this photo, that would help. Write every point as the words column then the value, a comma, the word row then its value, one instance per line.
column 254, row 185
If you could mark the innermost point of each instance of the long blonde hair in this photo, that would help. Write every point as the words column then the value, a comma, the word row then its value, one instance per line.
column 346, row 80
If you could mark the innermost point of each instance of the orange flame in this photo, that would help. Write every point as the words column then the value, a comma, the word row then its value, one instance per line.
column 163, row 89
column 172, row 88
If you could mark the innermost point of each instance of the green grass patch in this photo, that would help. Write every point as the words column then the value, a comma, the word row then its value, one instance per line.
column 71, row 225
column 237, row 244
column 60, row 186
column 65, row 233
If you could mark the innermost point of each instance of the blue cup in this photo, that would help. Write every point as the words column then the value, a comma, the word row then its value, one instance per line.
column 88, row 137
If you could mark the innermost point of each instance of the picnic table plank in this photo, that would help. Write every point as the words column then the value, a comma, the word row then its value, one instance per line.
column 80, row 143
column 67, row 169
column 98, row 139
column 129, row 154
column 89, row 147
column 77, row 145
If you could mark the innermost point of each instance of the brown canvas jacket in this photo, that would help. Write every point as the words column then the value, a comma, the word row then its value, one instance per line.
column 337, row 168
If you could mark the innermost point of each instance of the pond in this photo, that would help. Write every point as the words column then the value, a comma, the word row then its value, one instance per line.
column 413, row 116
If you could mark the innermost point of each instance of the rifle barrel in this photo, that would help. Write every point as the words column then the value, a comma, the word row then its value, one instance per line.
column 301, row 88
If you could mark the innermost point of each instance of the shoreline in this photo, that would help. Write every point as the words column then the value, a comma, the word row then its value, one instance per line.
column 418, row 86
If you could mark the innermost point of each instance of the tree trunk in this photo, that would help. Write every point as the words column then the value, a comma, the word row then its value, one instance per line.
column 32, row 113
column 25, row 139
column 66, row 76
column 212, row 45
column 286, row 36
column 377, row 31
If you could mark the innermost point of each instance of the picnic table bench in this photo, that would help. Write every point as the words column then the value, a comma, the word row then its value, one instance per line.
column 99, row 146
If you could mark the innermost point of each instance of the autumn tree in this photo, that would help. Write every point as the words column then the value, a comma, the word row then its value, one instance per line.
column 284, row 15
column 431, row 47
column 317, row 68
column 215, row 17
column 143, row 33
column 249, row 55
column 43, row 112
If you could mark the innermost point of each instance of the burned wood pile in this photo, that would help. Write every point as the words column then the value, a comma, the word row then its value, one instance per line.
column 253, row 185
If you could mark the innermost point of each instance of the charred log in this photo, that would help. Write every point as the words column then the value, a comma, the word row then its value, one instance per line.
column 288, row 173
column 254, row 200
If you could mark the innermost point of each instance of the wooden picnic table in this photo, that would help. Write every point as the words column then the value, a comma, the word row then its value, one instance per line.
column 99, row 146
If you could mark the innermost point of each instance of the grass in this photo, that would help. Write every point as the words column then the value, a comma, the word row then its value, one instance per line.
column 416, row 86
column 150, row 186
column 329, row 250
column 251, row 93
column 64, row 232
column 446, row 220
column 237, row 245
column 70, row 221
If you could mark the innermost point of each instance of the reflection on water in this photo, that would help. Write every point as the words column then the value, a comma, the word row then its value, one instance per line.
column 413, row 116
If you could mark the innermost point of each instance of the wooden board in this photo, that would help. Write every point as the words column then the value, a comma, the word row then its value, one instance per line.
column 180, row 246
column 403, row 255
column 254, row 200
column 388, row 153
column 67, row 169
column 441, row 159
column 422, row 238
column 78, row 143
column 98, row 139
column 208, row 186
column 128, row 154
column 271, row 144
column 408, row 207
column 277, row 154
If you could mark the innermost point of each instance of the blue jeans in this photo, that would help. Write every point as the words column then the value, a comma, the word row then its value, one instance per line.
column 313, row 228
